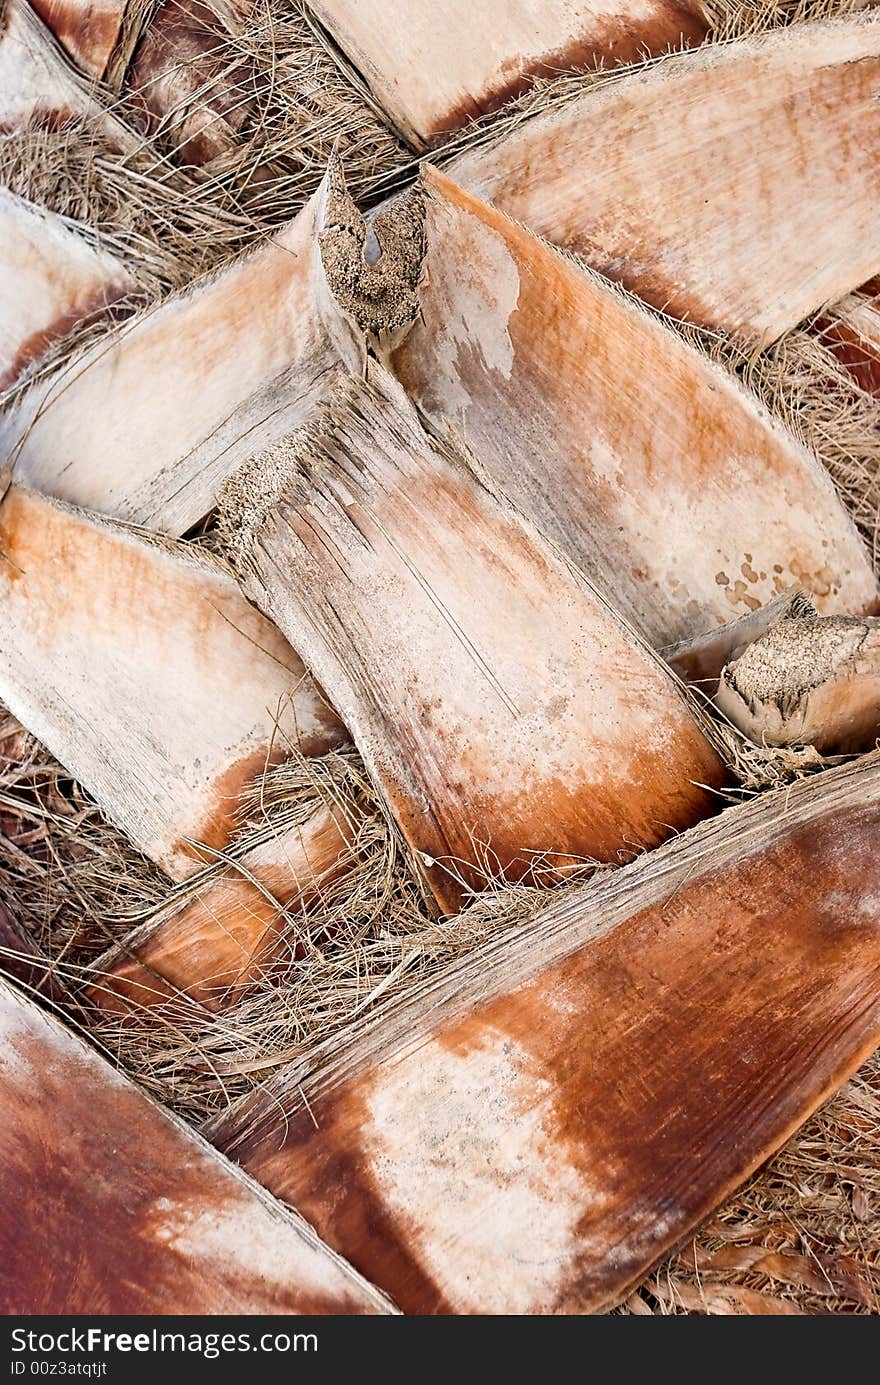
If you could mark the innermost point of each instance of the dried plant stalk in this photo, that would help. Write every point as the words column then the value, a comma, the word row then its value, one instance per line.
column 648, row 464
column 493, row 695
column 712, row 183
column 473, row 1151
column 147, row 673
column 145, row 1217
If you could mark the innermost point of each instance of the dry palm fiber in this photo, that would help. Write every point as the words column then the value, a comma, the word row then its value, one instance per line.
column 655, row 472
column 461, row 1129
column 431, row 82
column 866, row 517
column 180, row 222
column 145, row 1218
column 194, row 1062
column 177, row 398
column 61, row 146
column 853, row 334
column 39, row 86
column 467, row 659
column 225, row 931
column 197, row 97
column 779, row 220
column 54, row 278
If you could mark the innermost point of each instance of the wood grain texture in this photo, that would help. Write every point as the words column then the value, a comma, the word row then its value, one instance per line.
column 108, row 1205
column 147, row 674
column 436, row 67
column 228, row 932
column 532, row 1132
column 650, row 467
column 53, row 278
column 185, row 72
column 86, row 29
column 719, row 184
column 147, row 425
column 500, row 706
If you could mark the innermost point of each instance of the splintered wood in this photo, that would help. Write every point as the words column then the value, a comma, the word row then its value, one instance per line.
column 651, row 467
column 534, row 1130
column 52, row 280
column 511, row 721
column 147, row 425
column 720, row 185
column 147, row 674
column 108, row 1205
column 435, row 67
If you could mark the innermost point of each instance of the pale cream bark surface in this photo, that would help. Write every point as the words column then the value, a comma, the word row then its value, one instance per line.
column 52, row 279
column 435, row 66
column 147, row 674
column 498, row 702
column 110, row 1205
column 650, row 466
column 145, row 425
column 734, row 186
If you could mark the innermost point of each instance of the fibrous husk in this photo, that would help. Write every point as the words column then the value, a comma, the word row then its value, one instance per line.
column 652, row 469
column 492, row 692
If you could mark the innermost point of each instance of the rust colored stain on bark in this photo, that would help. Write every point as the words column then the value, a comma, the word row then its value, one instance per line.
column 108, row 1206
column 86, row 31
column 227, row 934
column 859, row 354
column 35, row 346
column 634, row 1085
column 618, row 39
